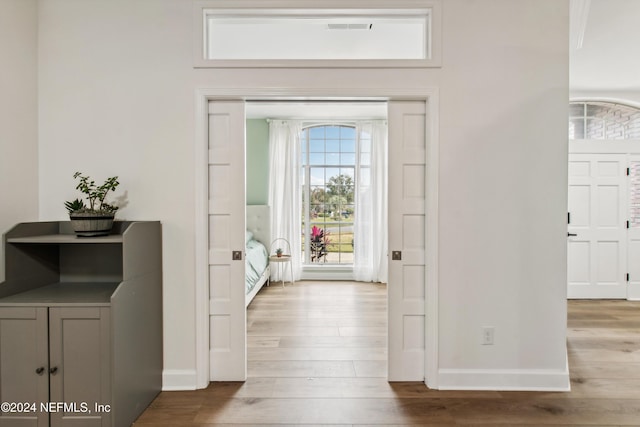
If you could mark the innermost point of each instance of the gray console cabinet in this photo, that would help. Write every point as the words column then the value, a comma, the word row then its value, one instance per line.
column 80, row 325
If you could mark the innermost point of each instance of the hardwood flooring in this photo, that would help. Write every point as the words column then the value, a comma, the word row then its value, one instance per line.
column 317, row 356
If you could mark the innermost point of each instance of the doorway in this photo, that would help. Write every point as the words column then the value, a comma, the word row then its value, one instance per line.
column 222, row 138
column 335, row 183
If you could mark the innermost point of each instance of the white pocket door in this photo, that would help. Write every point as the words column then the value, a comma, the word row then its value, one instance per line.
column 407, row 240
column 227, row 315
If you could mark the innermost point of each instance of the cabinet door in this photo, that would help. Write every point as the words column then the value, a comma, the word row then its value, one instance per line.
column 80, row 354
column 23, row 364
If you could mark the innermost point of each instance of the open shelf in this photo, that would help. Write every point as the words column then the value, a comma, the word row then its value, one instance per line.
column 64, row 294
column 66, row 239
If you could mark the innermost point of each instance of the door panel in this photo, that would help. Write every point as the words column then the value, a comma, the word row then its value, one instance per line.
column 24, row 339
column 80, row 365
column 407, row 195
column 227, row 320
column 597, row 256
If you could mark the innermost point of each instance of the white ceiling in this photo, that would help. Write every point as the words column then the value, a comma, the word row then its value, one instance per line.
column 609, row 58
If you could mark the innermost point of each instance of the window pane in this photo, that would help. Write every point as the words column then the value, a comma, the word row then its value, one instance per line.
column 316, row 159
column 316, row 132
column 333, row 146
column 331, row 173
column 333, row 159
column 347, row 132
column 350, row 172
column 576, row 129
column 595, row 129
column 633, row 128
column 317, row 176
column 348, row 146
column 595, row 110
column 332, row 132
column 348, row 159
column 316, row 146
column 576, row 110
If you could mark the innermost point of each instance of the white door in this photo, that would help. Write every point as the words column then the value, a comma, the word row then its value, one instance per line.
column 633, row 239
column 227, row 315
column 407, row 239
column 597, row 226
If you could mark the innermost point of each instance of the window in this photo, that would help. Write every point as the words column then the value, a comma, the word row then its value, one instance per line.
column 328, row 193
column 405, row 34
column 603, row 120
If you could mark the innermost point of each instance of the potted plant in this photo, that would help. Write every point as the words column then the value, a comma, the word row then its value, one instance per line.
column 279, row 252
column 96, row 218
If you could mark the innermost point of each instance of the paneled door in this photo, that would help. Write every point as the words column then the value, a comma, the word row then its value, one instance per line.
column 597, row 226
column 227, row 314
column 407, row 240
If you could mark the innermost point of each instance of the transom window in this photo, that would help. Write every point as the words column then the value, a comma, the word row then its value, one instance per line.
column 329, row 164
column 259, row 33
column 603, row 120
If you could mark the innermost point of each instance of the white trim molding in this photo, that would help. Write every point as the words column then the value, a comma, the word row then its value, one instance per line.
column 201, row 303
column 179, row 379
column 432, row 241
column 505, row 379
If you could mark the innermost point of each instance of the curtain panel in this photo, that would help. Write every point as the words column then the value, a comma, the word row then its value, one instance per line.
column 370, row 224
column 284, row 191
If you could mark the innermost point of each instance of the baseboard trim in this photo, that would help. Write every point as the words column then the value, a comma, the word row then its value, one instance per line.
column 504, row 379
column 633, row 292
column 179, row 379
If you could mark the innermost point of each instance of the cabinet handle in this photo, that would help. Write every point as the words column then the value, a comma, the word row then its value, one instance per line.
column 53, row 370
column 40, row 370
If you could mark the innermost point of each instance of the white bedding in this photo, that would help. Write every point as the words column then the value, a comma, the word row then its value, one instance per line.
column 257, row 260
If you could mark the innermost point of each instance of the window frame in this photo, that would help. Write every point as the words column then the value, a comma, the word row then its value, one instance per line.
column 205, row 8
column 306, row 191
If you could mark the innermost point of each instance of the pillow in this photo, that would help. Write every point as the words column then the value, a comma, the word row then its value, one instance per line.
column 248, row 235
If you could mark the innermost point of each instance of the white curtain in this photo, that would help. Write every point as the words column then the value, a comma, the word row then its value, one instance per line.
column 284, row 191
column 370, row 223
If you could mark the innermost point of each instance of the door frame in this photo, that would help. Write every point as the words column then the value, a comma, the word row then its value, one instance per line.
column 203, row 96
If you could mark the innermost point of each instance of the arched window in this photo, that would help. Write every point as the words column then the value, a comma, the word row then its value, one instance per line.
column 603, row 120
column 328, row 180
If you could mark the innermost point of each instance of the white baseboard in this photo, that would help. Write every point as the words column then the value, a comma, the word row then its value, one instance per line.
column 179, row 379
column 633, row 292
column 504, row 379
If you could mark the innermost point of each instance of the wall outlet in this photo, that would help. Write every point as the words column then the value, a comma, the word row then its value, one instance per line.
column 487, row 335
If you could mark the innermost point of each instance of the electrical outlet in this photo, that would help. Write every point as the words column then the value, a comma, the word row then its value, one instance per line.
column 487, row 335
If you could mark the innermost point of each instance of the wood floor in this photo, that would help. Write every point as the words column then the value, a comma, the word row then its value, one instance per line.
column 317, row 356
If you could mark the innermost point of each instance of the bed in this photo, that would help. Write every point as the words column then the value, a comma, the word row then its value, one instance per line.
column 257, row 237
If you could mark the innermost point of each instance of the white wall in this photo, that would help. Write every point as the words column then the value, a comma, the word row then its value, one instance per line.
column 18, row 115
column 117, row 96
column 503, row 192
